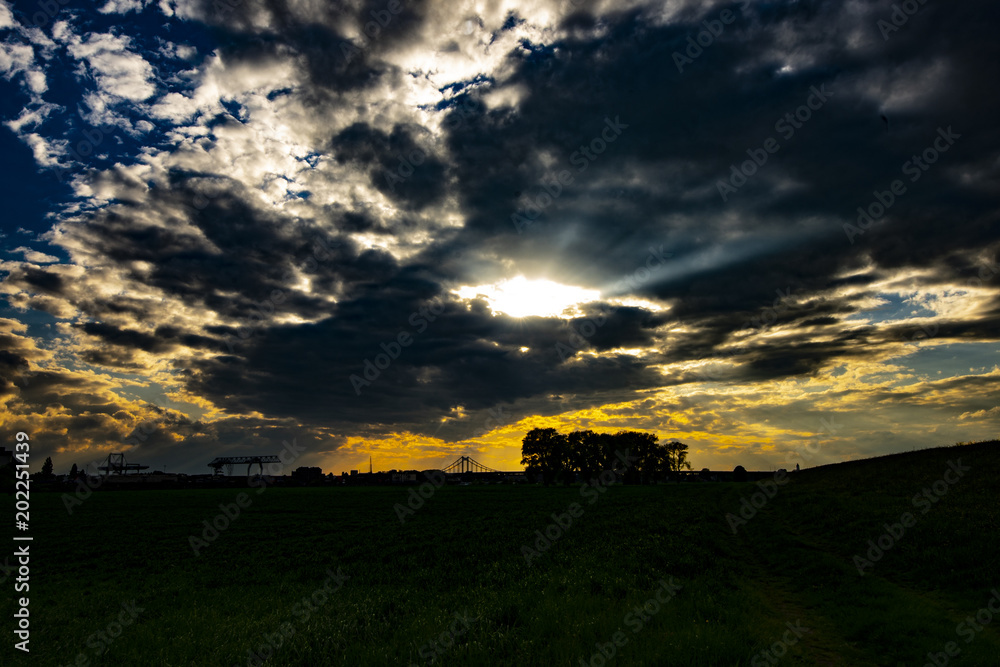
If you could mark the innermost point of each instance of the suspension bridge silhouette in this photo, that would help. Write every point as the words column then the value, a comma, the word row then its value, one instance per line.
column 467, row 464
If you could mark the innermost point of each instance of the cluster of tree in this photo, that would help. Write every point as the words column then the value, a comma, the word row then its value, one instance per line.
column 8, row 474
column 561, row 458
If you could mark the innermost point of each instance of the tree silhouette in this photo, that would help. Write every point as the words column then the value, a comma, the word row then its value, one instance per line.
column 546, row 451
column 586, row 454
column 650, row 459
column 73, row 472
column 678, row 453
column 47, row 467
column 739, row 474
column 608, row 446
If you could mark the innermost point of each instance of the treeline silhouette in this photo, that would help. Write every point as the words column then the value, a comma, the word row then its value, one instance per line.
column 561, row 458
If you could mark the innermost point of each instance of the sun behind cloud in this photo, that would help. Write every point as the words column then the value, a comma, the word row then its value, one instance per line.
column 521, row 297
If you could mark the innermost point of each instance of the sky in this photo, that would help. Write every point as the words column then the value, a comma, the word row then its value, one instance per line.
column 414, row 230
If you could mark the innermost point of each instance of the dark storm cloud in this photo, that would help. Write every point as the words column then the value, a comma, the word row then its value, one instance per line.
column 228, row 255
column 126, row 337
column 398, row 166
column 623, row 327
column 12, row 367
column 318, row 34
column 705, row 118
column 726, row 102
column 460, row 356
column 42, row 281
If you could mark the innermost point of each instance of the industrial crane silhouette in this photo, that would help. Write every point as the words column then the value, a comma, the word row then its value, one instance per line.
column 229, row 461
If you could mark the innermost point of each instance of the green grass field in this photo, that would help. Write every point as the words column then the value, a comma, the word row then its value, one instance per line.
column 457, row 565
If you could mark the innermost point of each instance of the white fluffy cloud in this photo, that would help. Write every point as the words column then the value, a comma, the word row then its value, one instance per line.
column 47, row 153
column 20, row 59
column 123, row 6
column 35, row 256
column 6, row 16
column 116, row 69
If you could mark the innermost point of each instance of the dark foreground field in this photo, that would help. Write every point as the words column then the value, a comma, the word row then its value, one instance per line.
column 117, row 583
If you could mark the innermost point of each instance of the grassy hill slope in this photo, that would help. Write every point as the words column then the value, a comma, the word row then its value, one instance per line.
column 785, row 582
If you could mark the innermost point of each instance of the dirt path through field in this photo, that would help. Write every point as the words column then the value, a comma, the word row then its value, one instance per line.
column 823, row 644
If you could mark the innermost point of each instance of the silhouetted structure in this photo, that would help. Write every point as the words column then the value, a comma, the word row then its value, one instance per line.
column 637, row 456
column 117, row 465
column 464, row 464
column 466, row 469
column 304, row 475
column 250, row 461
